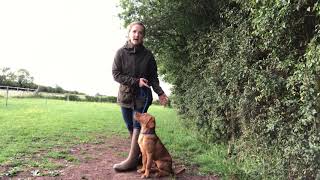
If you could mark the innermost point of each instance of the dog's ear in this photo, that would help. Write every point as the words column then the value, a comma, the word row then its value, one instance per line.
column 137, row 114
column 151, row 123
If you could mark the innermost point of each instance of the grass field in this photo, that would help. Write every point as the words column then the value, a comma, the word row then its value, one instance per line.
column 30, row 126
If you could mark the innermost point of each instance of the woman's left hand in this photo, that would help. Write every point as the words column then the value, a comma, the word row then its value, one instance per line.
column 163, row 98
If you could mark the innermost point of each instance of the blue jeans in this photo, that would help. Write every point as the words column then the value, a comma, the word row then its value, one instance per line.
column 128, row 113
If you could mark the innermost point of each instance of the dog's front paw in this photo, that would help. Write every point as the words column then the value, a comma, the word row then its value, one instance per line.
column 141, row 170
column 162, row 173
column 158, row 175
column 144, row 176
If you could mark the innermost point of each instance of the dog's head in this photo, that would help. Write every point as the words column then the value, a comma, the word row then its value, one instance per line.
column 146, row 120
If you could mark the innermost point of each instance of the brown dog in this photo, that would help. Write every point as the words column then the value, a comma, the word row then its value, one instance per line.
column 152, row 148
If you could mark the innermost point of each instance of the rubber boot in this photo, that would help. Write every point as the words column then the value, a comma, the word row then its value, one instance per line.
column 132, row 160
column 130, row 134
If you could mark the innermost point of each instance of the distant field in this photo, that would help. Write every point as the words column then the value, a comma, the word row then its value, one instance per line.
column 30, row 126
column 16, row 93
column 12, row 93
column 19, row 93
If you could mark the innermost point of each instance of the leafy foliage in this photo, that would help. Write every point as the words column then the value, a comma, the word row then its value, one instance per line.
column 20, row 78
column 243, row 72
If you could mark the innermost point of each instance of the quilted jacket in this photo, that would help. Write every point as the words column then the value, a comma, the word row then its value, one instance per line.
column 130, row 64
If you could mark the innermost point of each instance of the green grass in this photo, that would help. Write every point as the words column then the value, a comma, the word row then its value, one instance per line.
column 51, row 127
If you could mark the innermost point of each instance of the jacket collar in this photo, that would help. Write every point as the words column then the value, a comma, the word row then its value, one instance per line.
column 133, row 49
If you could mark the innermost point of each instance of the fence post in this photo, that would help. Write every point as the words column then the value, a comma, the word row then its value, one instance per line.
column 7, row 96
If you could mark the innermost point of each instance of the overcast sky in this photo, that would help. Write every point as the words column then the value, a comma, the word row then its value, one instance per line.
column 70, row 43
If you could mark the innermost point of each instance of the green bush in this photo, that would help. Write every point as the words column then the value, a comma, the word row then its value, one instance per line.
column 245, row 73
column 72, row 97
column 110, row 99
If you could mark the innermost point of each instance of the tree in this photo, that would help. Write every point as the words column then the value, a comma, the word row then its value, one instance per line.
column 24, row 79
column 243, row 70
column 6, row 76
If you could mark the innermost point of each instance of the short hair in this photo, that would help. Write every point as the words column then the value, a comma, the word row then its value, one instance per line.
column 139, row 23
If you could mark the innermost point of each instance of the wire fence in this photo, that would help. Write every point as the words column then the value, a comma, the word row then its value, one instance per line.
column 9, row 91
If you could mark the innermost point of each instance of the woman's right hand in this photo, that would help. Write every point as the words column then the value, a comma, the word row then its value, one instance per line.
column 163, row 98
column 143, row 82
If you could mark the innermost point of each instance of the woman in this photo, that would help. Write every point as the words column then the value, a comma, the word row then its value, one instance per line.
column 135, row 68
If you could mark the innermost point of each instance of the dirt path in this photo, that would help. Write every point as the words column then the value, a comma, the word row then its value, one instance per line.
column 96, row 161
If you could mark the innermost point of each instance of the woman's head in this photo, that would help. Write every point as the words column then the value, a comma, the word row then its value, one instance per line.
column 136, row 33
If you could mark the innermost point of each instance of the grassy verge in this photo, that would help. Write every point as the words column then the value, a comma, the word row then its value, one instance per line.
column 51, row 127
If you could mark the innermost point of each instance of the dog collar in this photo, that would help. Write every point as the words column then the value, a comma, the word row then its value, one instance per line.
column 149, row 131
